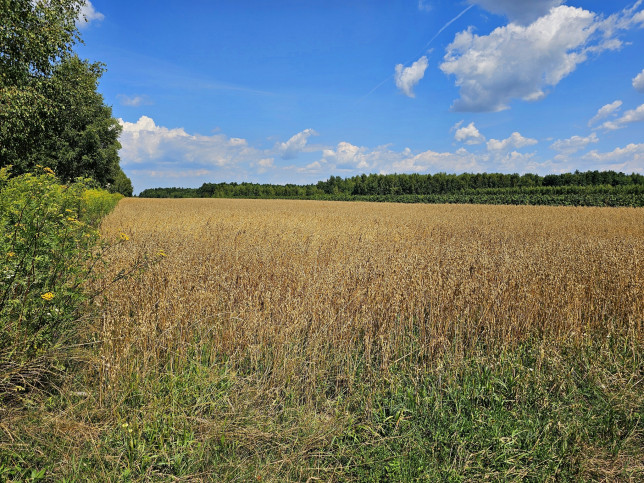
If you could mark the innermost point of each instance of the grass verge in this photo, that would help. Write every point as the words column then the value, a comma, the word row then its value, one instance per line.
column 538, row 412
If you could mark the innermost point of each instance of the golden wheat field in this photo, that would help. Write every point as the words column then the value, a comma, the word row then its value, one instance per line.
column 305, row 283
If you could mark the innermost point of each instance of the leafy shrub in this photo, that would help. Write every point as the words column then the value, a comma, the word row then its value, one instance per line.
column 49, row 245
column 96, row 204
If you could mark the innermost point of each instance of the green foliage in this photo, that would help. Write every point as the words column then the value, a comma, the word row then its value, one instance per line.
column 592, row 188
column 96, row 204
column 33, row 35
column 122, row 184
column 50, row 111
column 49, row 245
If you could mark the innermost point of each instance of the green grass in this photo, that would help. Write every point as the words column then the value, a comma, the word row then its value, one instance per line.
column 540, row 412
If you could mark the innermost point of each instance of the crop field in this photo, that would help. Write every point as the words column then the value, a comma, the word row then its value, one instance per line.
column 301, row 285
column 268, row 340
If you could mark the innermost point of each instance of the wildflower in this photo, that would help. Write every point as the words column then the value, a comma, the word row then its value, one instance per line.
column 124, row 237
column 48, row 171
column 47, row 296
column 11, row 254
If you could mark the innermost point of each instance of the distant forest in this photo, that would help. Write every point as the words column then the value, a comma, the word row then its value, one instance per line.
column 590, row 188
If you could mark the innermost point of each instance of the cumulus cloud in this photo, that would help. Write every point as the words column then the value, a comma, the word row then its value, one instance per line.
column 297, row 143
column 638, row 82
column 468, row 134
column 516, row 11
column 432, row 161
column 521, row 61
column 348, row 160
column 88, row 14
column 573, row 144
column 348, row 155
column 605, row 111
column 629, row 159
column 146, row 142
column 515, row 141
column 629, row 117
column 407, row 77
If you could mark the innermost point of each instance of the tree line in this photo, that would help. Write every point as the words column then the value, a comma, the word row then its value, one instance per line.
column 595, row 188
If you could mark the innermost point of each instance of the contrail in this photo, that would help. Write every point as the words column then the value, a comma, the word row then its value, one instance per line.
column 421, row 52
column 447, row 25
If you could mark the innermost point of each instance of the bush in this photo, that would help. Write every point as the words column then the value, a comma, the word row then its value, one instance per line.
column 49, row 245
column 96, row 204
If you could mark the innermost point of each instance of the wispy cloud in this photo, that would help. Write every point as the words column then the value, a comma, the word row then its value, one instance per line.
column 133, row 101
column 424, row 6
column 573, row 144
column 605, row 111
column 629, row 117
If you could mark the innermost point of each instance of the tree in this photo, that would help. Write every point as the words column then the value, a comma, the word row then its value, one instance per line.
column 50, row 111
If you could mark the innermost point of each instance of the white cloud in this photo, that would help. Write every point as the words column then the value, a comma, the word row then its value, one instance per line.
column 407, row 77
column 573, row 144
column 88, row 14
column 174, row 174
column 638, row 82
column 522, row 12
column 266, row 162
column 605, row 111
column 629, row 159
column 263, row 165
column 432, row 161
column 629, row 117
column 143, row 142
column 515, row 141
column 132, row 101
column 468, row 134
column 297, row 143
column 521, row 62
column 346, row 156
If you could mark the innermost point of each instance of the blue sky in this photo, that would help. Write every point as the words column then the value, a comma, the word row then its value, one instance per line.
column 295, row 91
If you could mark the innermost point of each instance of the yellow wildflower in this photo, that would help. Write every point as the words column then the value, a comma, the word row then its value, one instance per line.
column 47, row 296
column 48, row 171
column 124, row 237
column 10, row 254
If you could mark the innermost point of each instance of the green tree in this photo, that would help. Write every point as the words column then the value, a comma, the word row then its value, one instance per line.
column 50, row 111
